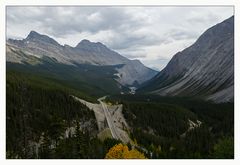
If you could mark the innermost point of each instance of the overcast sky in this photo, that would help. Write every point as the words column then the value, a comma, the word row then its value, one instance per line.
column 150, row 34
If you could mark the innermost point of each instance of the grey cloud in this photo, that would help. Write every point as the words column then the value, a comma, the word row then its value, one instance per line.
column 127, row 39
column 207, row 18
column 56, row 22
column 131, row 29
column 124, row 41
column 180, row 34
column 156, row 63
column 134, row 54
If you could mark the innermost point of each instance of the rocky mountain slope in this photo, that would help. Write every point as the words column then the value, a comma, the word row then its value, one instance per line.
column 205, row 69
column 36, row 46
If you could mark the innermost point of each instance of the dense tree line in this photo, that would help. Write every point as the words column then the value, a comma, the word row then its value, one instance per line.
column 90, row 80
column 160, row 124
column 41, row 113
column 166, row 120
column 37, row 117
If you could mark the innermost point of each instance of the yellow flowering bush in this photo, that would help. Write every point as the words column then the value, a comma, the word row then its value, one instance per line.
column 121, row 151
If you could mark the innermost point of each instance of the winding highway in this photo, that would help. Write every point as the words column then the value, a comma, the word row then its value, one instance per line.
column 111, row 125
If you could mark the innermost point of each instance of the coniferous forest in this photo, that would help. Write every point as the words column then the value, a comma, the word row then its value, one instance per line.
column 120, row 81
column 44, row 121
column 162, row 126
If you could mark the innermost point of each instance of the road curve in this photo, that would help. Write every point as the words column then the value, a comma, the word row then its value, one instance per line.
column 111, row 125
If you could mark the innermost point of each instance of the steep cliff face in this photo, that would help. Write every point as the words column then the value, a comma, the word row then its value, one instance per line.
column 36, row 46
column 205, row 69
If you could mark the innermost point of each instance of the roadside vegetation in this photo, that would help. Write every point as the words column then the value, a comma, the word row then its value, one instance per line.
column 40, row 115
column 161, row 125
column 44, row 121
column 120, row 151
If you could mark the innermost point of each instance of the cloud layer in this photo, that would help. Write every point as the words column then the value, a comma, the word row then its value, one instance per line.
column 151, row 34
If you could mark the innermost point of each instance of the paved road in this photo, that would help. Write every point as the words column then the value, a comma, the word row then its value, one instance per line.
column 111, row 125
column 115, row 133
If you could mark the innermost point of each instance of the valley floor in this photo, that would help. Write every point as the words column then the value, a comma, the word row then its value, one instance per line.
column 47, row 120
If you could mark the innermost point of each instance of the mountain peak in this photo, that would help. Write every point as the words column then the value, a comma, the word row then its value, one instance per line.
column 88, row 45
column 85, row 41
column 36, row 37
column 204, row 70
column 33, row 34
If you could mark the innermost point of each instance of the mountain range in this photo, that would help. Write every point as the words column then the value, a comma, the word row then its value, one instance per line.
column 205, row 69
column 83, row 102
column 36, row 46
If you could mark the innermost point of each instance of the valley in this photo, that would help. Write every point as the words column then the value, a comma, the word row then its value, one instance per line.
column 203, row 70
column 160, row 127
column 81, row 102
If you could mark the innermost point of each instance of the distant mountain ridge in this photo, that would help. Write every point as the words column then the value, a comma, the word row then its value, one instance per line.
column 37, row 46
column 205, row 69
